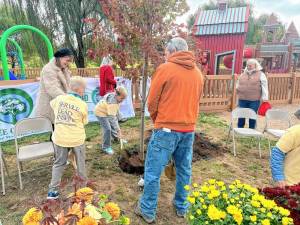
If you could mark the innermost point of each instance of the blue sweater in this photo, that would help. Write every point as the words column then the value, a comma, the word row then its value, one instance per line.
column 277, row 164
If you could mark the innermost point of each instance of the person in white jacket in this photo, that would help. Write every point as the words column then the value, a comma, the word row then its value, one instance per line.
column 252, row 88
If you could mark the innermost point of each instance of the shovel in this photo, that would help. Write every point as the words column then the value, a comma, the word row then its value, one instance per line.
column 122, row 143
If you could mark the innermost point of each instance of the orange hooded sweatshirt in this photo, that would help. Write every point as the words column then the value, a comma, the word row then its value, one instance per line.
column 175, row 92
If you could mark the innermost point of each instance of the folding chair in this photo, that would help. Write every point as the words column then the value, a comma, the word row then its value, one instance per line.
column 1, row 171
column 281, row 117
column 243, row 132
column 30, row 126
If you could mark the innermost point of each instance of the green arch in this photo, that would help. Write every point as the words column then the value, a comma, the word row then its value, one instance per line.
column 13, row 30
column 20, row 53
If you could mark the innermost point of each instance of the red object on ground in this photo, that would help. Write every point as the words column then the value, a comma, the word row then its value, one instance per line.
column 228, row 61
column 107, row 82
column 248, row 53
column 263, row 108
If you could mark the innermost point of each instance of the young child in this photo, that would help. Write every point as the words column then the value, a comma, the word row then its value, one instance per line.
column 71, row 114
column 106, row 111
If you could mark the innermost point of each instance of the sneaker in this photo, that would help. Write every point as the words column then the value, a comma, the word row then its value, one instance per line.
column 53, row 195
column 139, row 213
column 108, row 150
column 179, row 213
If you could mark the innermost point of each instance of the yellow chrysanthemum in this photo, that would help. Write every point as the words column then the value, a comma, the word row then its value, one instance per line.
column 198, row 211
column 253, row 218
column 214, row 213
column 87, row 220
column 113, row 209
column 204, row 189
column 265, row 222
column 32, row 216
column 220, row 183
column 212, row 181
column 86, row 194
column 238, row 218
column 284, row 212
column 232, row 209
column 255, row 203
column 196, row 194
column 191, row 200
column 269, row 204
column 287, row 221
column 195, row 185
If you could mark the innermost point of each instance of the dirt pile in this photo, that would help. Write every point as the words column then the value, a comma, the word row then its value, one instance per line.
column 204, row 148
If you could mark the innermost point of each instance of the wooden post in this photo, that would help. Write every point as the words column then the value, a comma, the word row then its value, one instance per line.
column 233, row 99
column 293, row 88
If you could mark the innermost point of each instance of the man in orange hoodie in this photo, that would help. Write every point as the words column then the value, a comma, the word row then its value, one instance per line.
column 173, row 104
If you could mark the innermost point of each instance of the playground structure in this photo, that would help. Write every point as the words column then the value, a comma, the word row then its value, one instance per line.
column 279, row 55
column 5, row 37
column 221, row 34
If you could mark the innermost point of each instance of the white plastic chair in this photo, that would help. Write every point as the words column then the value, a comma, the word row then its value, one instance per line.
column 244, row 132
column 30, row 126
column 280, row 116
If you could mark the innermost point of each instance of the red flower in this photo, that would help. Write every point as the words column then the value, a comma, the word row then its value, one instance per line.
column 292, row 203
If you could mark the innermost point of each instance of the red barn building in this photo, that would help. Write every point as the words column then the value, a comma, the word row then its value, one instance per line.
column 220, row 35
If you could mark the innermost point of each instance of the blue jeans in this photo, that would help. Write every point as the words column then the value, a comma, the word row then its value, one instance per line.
column 162, row 147
column 254, row 105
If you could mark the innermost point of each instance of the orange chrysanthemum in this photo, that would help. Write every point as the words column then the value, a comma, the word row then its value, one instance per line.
column 87, row 221
column 113, row 209
column 75, row 210
column 32, row 217
column 85, row 194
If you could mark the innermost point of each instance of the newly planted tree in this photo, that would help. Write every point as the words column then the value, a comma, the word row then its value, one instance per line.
column 137, row 33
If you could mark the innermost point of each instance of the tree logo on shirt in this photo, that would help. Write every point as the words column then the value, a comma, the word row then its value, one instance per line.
column 15, row 104
column 95, row 95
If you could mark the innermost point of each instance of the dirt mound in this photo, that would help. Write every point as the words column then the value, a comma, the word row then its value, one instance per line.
column 205, row 148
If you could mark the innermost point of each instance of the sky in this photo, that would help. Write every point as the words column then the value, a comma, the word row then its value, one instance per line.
column 287, row 10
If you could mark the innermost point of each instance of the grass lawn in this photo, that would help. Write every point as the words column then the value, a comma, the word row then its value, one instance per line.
column 121, row 187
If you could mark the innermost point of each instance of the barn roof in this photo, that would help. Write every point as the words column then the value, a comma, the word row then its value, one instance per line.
column 228, row 21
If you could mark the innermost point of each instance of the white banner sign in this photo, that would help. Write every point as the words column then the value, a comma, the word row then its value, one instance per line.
column 17, row 102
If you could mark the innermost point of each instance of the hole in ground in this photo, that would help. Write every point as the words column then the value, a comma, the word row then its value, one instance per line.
column 204, row 148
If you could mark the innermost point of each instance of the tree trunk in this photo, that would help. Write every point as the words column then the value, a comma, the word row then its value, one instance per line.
column 80, row 59
column 144, row 87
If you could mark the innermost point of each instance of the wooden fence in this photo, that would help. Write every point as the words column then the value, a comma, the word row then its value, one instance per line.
column 219, row 93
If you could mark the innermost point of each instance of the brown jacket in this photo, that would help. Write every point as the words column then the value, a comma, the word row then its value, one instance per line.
column 249, row 87
column 54, row 82
column 175, row 92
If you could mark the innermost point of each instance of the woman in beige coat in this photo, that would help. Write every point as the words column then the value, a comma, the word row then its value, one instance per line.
column 55, row 81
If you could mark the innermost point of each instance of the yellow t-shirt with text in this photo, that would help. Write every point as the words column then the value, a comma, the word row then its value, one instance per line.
column 289, row 144
column 71, row 114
